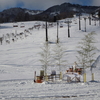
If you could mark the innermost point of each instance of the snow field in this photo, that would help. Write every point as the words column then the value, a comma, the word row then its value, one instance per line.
column 19, row 60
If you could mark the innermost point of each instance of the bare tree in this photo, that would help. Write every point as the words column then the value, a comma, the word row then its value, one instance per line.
column 87, row 51
column 59, row 54
column 45, row 57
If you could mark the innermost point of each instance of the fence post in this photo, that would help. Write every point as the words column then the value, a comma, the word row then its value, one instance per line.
column 60, row 75
column 84, row 77
column 46, row 77
column 92, row 76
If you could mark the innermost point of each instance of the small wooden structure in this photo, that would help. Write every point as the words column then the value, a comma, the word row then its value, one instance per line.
column 39, row 79
column 52, row 77
column 72, row 74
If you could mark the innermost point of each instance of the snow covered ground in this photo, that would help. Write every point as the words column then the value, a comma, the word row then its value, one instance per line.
column 19, row 60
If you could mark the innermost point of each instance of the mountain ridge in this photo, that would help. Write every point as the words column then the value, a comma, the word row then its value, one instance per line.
column 71, row 7
column 64, row 10
column 11, row 14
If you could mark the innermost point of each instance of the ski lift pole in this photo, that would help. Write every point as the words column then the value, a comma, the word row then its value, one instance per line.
column 57, row 33
column 68, row 22
column 85, row 23
column 79, row 22
column 89, row 20
column 46, row 31
column 68, row 30
column 95, row 22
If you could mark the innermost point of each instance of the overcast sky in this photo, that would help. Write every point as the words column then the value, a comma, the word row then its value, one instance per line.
column 42, row 4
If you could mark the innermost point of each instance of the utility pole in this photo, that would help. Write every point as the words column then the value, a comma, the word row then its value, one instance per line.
column 46, row 30
column 68, row 23
column 57, row 33
column 68, row 30
column 55, row 20
column 79, row 22
column 95, row 22
column 85, row 23
column 89, row 20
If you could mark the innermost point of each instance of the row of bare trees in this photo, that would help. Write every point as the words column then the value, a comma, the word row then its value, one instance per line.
column 85, row 56
column 13, row 37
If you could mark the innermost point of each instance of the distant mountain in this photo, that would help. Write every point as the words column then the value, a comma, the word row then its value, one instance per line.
column 68, row 7
column 68, row 10
column 14, row 14
column 60, row 11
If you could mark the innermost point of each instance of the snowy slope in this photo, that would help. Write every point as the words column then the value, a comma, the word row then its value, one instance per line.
column 19, row 60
